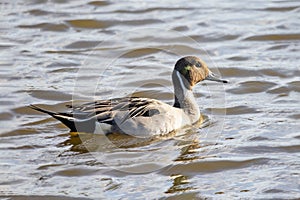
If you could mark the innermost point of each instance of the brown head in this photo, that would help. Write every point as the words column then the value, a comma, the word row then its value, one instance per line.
column 190, row 70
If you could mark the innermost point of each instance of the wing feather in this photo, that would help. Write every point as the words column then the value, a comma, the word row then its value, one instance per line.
column 104, row 110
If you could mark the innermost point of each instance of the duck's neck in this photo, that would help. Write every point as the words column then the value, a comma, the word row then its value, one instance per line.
column 184, row 97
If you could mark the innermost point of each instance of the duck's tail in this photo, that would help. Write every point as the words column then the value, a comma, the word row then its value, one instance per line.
column 68, row 119
column 34, row 107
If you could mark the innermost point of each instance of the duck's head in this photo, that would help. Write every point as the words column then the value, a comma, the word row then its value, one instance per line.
column 190, row 70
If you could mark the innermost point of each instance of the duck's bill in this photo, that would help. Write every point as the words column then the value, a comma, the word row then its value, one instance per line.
column 212, row 77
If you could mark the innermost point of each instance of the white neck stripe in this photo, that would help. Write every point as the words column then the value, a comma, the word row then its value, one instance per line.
column 181, row 82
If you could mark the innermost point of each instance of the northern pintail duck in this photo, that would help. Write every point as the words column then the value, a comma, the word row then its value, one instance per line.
column 142, row 117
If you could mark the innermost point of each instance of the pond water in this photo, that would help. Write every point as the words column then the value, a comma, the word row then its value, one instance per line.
column 60, row 51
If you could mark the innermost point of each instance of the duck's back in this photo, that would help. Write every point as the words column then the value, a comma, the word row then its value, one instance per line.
column 140, row 117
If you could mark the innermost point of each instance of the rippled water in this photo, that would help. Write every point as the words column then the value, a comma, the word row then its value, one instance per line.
column 53, row 52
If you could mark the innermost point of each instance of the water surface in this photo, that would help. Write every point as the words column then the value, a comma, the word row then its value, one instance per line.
column 53, row 52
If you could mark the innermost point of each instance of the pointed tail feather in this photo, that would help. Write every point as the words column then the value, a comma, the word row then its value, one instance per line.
column 34, row 107
column 76, row 125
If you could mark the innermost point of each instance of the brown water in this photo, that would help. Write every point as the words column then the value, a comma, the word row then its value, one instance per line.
column 53, row 52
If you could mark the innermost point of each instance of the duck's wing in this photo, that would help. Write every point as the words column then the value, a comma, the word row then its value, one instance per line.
column 104, row 110
column 83, row 118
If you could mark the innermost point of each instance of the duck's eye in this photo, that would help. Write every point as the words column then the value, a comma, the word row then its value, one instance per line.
column 198, row 64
